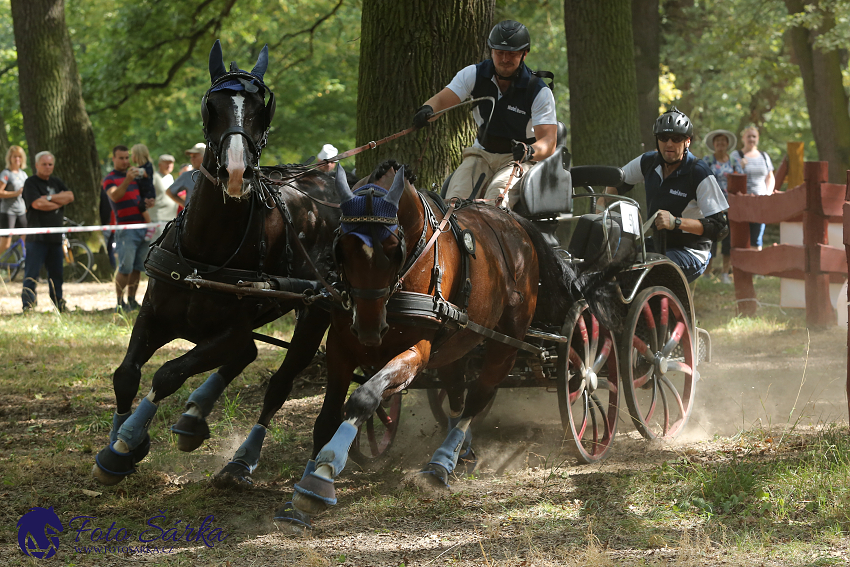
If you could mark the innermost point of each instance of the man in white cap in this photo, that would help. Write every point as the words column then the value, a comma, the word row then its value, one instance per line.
column 328, row 151
column 186, row 182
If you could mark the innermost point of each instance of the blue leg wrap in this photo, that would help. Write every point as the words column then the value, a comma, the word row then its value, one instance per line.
column 467, row 440
column 446, row 455
column 249, row 452
column 136, row 427
column 118, row 420
column 335, row 453
column 205, row 396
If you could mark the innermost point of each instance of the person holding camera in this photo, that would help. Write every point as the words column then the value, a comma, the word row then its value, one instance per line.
column 128, row 206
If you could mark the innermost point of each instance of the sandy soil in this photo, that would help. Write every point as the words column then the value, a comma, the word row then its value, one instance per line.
column 776, row 380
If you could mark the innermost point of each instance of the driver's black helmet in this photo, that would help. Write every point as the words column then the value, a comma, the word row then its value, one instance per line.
column 509, row 36
column 674, row 121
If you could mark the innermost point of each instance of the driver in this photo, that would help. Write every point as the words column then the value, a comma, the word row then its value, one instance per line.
column 683, row 191
column 523, row 127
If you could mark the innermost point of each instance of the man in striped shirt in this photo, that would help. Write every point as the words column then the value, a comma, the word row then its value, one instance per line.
column 127, row 205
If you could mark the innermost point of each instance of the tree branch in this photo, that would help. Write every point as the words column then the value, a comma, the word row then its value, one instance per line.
column 8, row 68
column 214, row 25
column 311, row 31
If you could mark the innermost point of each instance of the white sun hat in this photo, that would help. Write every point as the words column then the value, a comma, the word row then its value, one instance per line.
column 328, row 151
column 709, row 139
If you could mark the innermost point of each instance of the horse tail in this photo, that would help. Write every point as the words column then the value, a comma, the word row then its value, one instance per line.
column 561, row 286
column 557, row 278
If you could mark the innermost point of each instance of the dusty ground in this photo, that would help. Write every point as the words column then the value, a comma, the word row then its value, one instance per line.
column 776, row 380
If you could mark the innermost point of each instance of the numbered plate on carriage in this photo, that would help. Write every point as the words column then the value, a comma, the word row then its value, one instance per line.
column 631, row 218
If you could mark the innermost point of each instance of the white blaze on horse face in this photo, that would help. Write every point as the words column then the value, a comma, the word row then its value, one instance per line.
column 236, row 157
column 368, row 251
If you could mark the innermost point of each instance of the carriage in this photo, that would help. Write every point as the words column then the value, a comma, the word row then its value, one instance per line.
column 651, row 355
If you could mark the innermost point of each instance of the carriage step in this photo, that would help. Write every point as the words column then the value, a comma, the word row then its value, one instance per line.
column 703, row 346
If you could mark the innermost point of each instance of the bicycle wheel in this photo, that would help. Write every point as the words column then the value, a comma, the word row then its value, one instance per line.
column 78, row 262
column 11, row 263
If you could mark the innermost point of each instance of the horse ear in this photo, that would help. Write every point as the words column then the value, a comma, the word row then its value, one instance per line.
column 262, row 63
column 216, row 62
column 342, row 189
column 397, row 188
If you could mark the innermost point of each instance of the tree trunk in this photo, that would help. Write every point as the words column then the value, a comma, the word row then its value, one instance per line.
column 826, row 98
column 52, row 106
column 433, row 40
column 646, row 29
column 603, row 106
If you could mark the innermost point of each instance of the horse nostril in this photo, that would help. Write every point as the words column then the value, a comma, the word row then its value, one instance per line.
column 222, row 173
column 384, row 329
column 249, row 173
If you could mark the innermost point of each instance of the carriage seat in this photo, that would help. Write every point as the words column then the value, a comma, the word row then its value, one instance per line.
column 546, row 190
column 589, row 244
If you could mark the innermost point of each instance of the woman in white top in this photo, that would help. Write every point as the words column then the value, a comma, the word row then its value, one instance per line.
column 760, row 180
column 13, row 211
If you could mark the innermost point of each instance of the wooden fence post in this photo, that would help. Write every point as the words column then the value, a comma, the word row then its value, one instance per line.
column 740, row 238
column 815, row 226
column 847, row 253
column 795, row 164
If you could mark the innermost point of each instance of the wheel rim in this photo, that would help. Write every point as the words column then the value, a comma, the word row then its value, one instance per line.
column 376, row 434
column 439, row 406
column 78, row 262
column 588, row 385
column 658, row 364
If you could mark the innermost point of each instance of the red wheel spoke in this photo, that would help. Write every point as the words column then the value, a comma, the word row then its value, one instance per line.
column 649, row 319
column 370, row 434
column 603, row 355
column 578, row 391
column 663, row 319
column 643, row 349
column 680, row 367
column 675, row 338
column 641, row 381
column 666, row 427
column 594, row 344
column 666, row 382
column 608, row 385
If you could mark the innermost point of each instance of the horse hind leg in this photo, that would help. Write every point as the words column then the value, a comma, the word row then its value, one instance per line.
column 305, row 341
column 192, row 429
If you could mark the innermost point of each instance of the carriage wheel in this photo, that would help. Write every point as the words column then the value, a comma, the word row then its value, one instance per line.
column 657, row 364
column 375, row 435
column 588, row 385
column 440, row 407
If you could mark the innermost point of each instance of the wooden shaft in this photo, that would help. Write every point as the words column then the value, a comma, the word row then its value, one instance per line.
column 819, row 312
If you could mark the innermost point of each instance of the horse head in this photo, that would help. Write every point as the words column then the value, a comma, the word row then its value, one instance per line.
column 236, row 122
column 371, row 249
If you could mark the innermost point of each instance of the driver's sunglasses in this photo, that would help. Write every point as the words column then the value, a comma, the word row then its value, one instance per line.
column 677, row 139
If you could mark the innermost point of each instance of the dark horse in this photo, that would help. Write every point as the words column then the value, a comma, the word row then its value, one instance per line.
column 236, row 229
column 385, row 252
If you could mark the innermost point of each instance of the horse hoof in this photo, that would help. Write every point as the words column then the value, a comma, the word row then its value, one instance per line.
column 191, row 432
column 233, row 475
column 142, row 450
column 309, row 505
column 110, row 466
column 294, row 517
column 433, row 476
column 104, row 478
column 317, row 488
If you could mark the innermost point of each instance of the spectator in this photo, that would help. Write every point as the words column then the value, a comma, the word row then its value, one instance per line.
column 760, row 180
column 165, row 209
column 45, row 196
column 186, row 182
column 144, row 179
column 126, row 202
column 328, row 151
column 721, row 165
column 13, row 211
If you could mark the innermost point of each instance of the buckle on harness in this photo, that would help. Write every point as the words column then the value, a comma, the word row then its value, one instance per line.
column 175, row 276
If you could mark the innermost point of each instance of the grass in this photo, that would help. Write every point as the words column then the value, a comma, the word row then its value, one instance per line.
column 769, row 496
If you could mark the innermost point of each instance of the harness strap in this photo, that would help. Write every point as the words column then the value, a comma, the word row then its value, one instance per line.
column 436, row 234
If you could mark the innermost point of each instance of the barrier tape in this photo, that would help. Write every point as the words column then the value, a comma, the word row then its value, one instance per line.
column 65, row 229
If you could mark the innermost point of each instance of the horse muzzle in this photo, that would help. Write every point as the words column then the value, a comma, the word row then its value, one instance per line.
column 371, row 328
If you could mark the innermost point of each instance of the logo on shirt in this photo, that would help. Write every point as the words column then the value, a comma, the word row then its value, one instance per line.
column 678, row 193
column 515, row 109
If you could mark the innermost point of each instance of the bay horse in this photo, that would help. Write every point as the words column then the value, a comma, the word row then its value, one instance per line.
column 390, row 243
column 236, row 228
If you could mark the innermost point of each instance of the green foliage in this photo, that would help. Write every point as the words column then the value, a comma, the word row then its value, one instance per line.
column 732, row 64
column 9, row 106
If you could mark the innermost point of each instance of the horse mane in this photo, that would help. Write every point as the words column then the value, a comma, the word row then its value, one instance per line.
column 561, row 286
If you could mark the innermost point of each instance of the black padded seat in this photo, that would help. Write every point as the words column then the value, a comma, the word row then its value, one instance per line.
column 589, row 244
column 546, row 190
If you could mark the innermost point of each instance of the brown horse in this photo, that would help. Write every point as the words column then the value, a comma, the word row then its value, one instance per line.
column 390, row 244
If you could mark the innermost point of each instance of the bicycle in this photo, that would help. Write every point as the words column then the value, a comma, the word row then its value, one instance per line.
column 12, row 259
column 78, row 257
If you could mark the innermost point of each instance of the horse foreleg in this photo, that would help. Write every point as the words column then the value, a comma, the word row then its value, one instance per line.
column 305, row 341
column 315, row 491
column 192, row 429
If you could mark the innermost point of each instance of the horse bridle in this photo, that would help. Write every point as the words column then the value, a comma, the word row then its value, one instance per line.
column 247, row 80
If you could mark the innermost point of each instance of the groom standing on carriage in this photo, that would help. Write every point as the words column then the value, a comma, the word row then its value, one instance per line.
column 521, row 128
